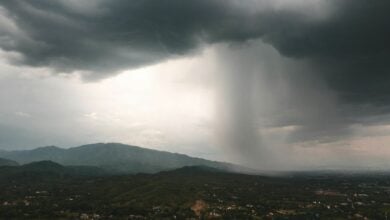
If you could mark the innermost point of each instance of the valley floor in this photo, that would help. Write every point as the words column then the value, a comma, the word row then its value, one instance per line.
column 192, row 193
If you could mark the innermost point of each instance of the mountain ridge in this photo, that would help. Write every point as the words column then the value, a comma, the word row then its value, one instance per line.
column 114, row 158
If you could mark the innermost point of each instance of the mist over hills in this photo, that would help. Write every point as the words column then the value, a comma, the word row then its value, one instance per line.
column 113, row 158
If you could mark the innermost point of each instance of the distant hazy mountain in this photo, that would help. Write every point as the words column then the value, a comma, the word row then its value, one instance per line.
column 6, row 162
column 113, row 157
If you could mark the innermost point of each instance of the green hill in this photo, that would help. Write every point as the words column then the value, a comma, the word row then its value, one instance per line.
column 46, row 170
column 6, row 162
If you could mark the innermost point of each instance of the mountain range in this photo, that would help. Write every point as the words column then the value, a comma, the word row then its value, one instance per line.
column 113, row 158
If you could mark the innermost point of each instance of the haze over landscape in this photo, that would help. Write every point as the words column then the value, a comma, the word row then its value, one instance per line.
column 275, row 85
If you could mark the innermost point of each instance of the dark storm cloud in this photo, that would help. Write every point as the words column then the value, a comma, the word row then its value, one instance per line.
column 119, row 34
column 350, row 47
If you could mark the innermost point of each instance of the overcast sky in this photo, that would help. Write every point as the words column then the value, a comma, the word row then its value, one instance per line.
column 281, row 84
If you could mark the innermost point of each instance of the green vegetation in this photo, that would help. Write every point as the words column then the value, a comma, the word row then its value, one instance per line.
column 58, row 192
column 6, row 162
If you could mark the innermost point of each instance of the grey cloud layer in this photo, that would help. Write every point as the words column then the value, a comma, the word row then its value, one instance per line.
column 350, row 48
column 118, row 34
